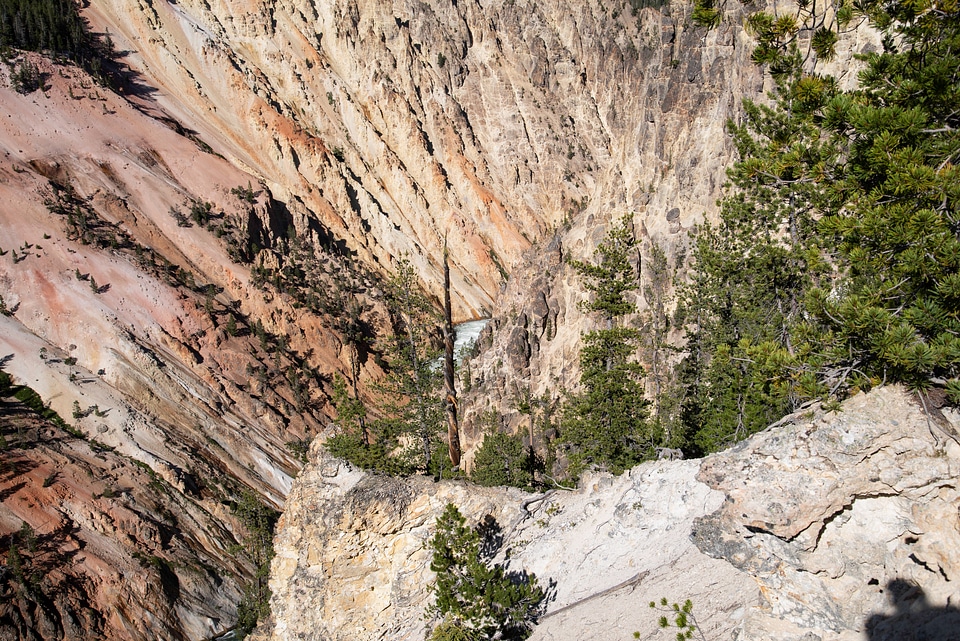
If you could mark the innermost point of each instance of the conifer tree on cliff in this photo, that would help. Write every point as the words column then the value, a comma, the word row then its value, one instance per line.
column 836, row 263
column 409, row 425
column 606, row 423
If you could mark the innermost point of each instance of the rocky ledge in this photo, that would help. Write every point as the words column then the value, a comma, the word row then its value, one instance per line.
column 830, row 526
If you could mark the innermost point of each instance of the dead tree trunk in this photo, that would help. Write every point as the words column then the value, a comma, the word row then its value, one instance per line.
column 449, row 384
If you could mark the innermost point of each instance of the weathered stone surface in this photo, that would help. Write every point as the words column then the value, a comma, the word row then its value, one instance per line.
column 490, row 123
column 830, row 509
column 147, row 360
column 664, row 167
column 378, row 127
column 113, row 552
column 834, row 526
column 351, row 550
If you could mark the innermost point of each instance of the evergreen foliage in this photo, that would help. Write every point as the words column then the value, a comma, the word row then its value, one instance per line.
column 379, row 455
column 611, row 279
column 706, row 13
column 834, row 266
column 54, row 27
column 449, row 630
column 895, row 219
column 407, row 434
column 25, row 77
column 606, row 423
column 354, row 442
column 6, row 381
column 258, row 521
column 503, row 460
column 656, row 347
column 476, row 599
column 680, row 617
column 29, row 397
column 44, row 25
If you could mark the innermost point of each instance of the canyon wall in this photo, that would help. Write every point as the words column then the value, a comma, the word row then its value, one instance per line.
column 362, row 131
column 666, row 178
column 517, row 130
column 99, row 546
column 491, row 124
column 140, row 330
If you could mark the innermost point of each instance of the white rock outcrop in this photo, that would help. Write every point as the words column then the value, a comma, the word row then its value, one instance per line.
column 832, row 526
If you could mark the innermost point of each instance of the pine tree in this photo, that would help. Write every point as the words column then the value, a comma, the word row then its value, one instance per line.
column 656, row 347
column 503, row 460
column 606, row 423
column 835, row 263
column 371, row 445
column 895, row 219
column 406, row 433
column 26, row 78
column 482, row 600
column 412, row 390
column 744, row 296
column 259, row 522
column 231, row 326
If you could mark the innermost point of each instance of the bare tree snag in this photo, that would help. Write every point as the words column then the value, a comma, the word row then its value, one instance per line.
column 449, row 384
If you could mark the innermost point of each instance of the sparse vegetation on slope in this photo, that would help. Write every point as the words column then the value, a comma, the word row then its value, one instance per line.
column 405, row 431
column 54, row 27
column 60, row 495
column 675, row 615
column 259, row 522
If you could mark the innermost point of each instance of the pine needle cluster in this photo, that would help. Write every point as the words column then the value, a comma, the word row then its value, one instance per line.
column 835, row 265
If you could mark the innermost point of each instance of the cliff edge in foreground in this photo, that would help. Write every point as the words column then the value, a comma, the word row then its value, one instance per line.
column 830, row 526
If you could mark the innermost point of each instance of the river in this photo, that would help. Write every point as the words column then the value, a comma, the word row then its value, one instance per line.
column 467, row 334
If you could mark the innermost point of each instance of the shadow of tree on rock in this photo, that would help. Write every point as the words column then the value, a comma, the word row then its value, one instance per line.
column 914, row 618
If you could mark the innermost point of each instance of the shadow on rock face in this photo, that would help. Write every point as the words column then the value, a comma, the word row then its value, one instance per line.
column 914, row 619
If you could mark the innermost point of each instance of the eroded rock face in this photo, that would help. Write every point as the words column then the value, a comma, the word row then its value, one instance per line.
column 96, row 546
column 668, row 153
column 119, row 318
column 492, row 124
column 843, row 517
column 379, row 128
column 832, row 526
column 351, row 550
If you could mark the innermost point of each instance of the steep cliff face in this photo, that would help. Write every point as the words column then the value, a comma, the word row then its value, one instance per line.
column 516, row 129
column 96, row 546
column 139, row 330
column 399, row 124
column 667, row 175
column 104, row 279
column 832, row 526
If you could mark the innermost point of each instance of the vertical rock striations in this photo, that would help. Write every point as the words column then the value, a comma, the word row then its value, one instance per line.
column 136, row 324
column 396, row 124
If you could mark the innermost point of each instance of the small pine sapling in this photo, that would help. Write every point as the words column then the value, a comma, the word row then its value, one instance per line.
column 682, row 619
